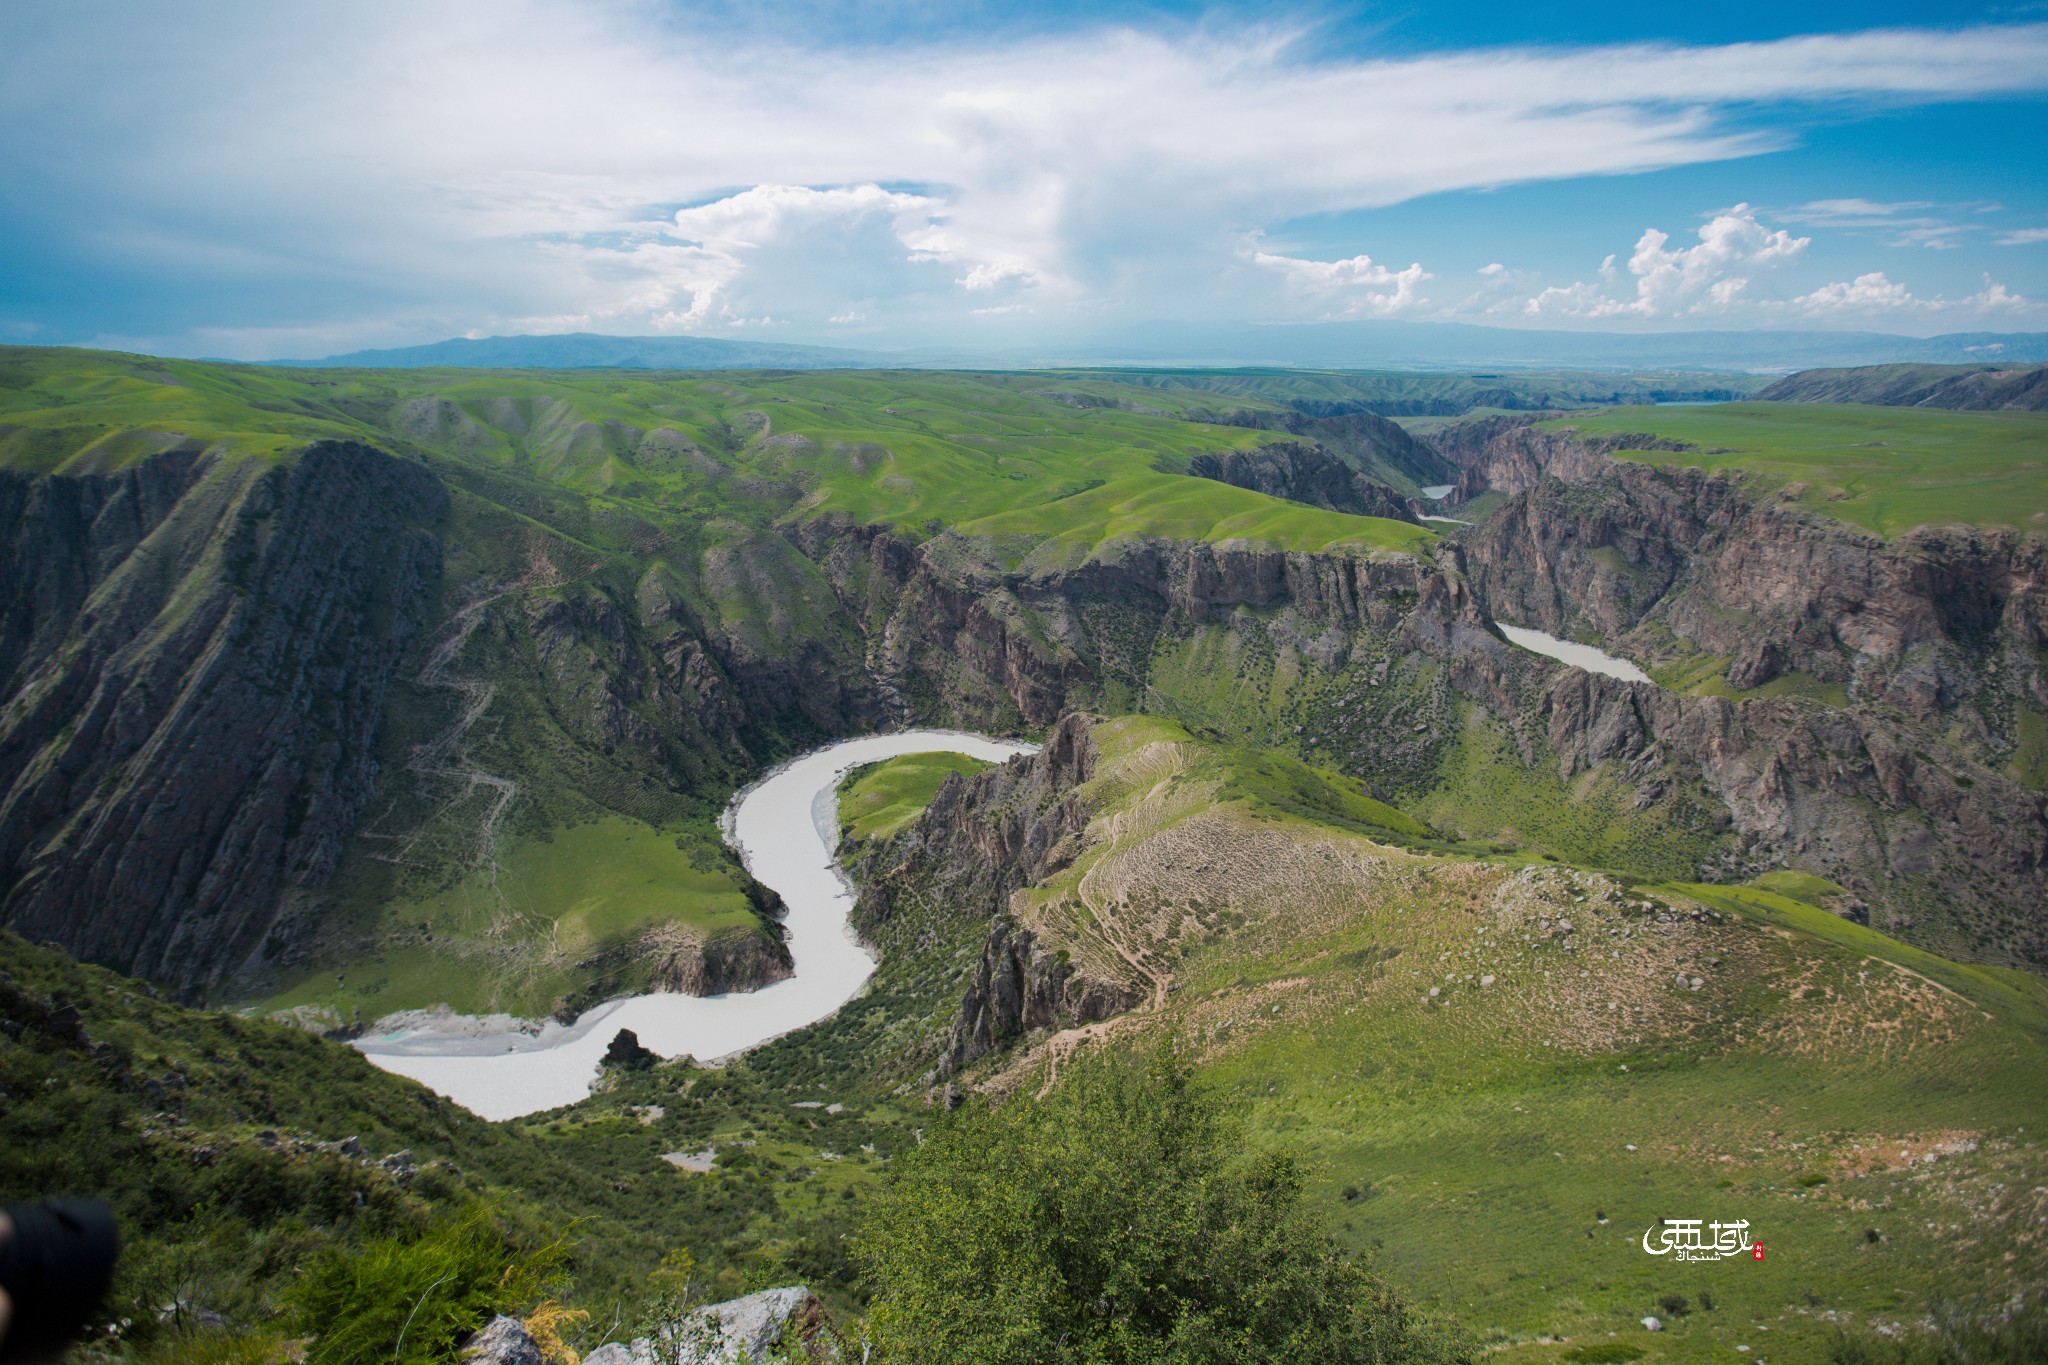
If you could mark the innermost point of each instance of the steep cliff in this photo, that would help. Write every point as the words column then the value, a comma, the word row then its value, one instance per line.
column 198, row 650
column 1304, row 473
column 1369, row 444
column 1673, row 564
column 980, row 841
column 1366, row 664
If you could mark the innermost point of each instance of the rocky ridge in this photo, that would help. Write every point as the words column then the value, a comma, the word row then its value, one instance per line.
column 197, row 655
column 1948, row 849
column 1945, row 622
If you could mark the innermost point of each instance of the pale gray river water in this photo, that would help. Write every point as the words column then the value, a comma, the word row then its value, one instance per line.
column 786, row 828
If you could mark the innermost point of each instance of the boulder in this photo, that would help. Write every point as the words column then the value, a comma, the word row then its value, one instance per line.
column 748, row 1331
column 504, row 1341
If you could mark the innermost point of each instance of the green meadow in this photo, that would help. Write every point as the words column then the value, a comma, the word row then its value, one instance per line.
column 513, row 935
column 879, row 800
column 919, row 451
column 1887, row 470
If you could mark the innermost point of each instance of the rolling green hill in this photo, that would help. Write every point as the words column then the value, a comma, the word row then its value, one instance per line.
column 904, row 449
column 1981, row 387
column 1509, row 1069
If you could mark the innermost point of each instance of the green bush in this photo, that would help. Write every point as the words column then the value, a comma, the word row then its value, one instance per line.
column 411, row 1300
column 1119, row 1218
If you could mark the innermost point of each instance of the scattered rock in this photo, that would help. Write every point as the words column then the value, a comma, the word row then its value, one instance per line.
column 748, row 1331
column 1652, row 1325
column 697, row 1163
column 503, row 1342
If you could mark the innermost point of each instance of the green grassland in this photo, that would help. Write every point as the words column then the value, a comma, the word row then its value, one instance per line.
column 878, row 800
column 913, row 450
column 1873, row 1111
column 1887, row 470
column 517, row 935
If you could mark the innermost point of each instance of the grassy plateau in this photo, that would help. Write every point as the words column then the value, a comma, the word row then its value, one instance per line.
column 1887, row 470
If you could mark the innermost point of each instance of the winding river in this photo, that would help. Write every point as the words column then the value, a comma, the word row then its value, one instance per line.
column 786, row 829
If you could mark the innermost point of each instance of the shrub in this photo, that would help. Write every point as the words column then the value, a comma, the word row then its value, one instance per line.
column 1117, row 1218
column 410, row 1301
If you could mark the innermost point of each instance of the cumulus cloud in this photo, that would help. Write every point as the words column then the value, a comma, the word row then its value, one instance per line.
column 1669, row 281
column 772, row 247
column 438, row 168
column 1357, row 286
column 1877, row 293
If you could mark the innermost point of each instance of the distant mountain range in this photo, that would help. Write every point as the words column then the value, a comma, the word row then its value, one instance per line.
column 1334, row 345
column 589, row 351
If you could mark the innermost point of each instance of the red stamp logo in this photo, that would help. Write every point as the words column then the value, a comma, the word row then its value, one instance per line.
column 1757, row 1251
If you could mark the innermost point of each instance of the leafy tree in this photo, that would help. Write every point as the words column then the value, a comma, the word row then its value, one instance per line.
column 1118, row 1219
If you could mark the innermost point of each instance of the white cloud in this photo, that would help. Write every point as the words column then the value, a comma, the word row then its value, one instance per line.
column 2023, row 236
column 1855, row 212
column 990, row 274
column 1356, row 286
column 1670, row 281
column 1863, row 294
column 1877, row 293
column 445, row 167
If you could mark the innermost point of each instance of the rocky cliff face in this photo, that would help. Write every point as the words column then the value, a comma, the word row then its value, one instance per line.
column 1913, row 820
column 197, row 654
column 1941, row 622
column 1304, row 473
column 981, row 841
column 1366, row 443
column 965, row 640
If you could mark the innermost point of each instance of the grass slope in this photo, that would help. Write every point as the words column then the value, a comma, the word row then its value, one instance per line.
column 878, row 800
column 519, row 936
column 1884, row 469
column 914, row 450
column 1509, row 1071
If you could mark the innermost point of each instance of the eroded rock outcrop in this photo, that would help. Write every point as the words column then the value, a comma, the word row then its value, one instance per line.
column 1670, row 562
column 775, row 1324
column 198, row 649
column 1304, row 473
column 981, row 841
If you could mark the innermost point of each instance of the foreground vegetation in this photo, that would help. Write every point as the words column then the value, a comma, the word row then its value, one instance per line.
column 1118, row 1217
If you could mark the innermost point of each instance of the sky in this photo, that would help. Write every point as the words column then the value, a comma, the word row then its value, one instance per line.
column 255, row 181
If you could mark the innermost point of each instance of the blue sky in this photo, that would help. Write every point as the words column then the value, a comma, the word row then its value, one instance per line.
column 257, row 180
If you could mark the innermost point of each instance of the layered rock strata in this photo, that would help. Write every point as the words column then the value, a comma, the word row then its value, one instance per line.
column 197, row 651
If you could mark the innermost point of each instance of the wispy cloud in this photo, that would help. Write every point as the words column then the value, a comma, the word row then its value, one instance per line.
column 464, row 165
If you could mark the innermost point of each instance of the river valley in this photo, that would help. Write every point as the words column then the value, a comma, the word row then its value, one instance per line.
column 786, row 829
